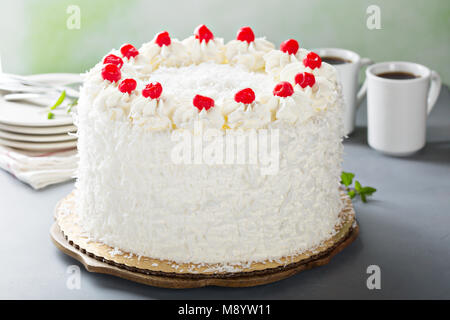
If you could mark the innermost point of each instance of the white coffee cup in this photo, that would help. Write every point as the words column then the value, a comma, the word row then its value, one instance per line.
column 348, row 74
column 397, row 109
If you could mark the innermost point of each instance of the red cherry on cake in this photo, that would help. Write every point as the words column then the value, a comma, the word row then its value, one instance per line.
column 289, row 46
column 202, row 102
column 152, row 90
column 283, row 89
column 127, row 86
column 245, row 96
column 111, row 72
column 112, row 58
column 203, row 33
column 305, row 79
column 312, row 60
column 245, row 34
column 163, row 39
column 128, row 51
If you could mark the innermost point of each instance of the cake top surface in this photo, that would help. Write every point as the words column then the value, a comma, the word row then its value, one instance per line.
column 218, row 81
column 245, row 83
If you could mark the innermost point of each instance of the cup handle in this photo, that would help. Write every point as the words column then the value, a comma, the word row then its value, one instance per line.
column 435, row 88
column 362, row 91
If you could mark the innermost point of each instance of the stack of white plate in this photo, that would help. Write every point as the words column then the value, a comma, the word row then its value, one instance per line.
column 26, row 126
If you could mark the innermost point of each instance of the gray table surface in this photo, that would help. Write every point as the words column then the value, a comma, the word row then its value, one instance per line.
column 404, row 229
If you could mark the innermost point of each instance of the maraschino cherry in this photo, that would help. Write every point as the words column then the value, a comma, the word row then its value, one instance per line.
column 305, row 79
column 163, row 39
column 312, row 60
column 289, row 46
column 129, row 51
column 203, row 33
column 152, row 90
column 112, row 58
column 127, row 86
column 202, row 102
column 245, row 96
column 111, row 72
column 283, row 89
column 245, row 34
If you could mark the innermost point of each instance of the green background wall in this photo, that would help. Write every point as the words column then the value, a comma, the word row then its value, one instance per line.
column 34, row 37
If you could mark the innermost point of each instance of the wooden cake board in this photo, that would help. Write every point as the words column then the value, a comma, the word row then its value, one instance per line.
column 97, row 257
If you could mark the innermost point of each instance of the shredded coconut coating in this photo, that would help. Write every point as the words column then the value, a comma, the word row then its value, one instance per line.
column 133, row 197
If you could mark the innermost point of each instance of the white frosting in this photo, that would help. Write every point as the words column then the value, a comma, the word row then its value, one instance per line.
column 327, row 72
column 203, row 51
column 218, row 81
column 276, row 60
column 153, row 114
column 186, row 116
column 133, row 197
column 248, row 116
column 251, row 55
column 151, row 55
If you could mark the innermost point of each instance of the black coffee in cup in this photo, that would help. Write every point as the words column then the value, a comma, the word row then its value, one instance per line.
column 335, row 60
column 397, row 75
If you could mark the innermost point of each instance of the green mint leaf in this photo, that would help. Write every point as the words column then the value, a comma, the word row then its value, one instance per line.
column 363, row 192
column 358, row 186
column 59, row 101
column 50, row 115
column 347, row 178
column 72, row 104
column 368, row 190
column 351, row 193
column 363, row 197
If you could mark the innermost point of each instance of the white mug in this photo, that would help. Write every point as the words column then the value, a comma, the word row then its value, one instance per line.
column 348, row 74
column 397, row 109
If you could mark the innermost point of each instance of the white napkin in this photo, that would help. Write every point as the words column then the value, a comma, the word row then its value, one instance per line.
column 39, row 169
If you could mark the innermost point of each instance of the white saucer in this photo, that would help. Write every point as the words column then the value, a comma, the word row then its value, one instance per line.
column 38, row 145
column 22, row 114
column 38, row 130
column 36, row 138
column 56, row 78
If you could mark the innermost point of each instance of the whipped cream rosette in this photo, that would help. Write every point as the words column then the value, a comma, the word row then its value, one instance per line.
column 245, row 112
column 247, row 50
column 203, row 46
column 250, row 55
column 186, row 117
column 113, row 102
column 289, row 52
column 326, row 71
column 199, row 52
column 171, row 53
column 152, row 114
